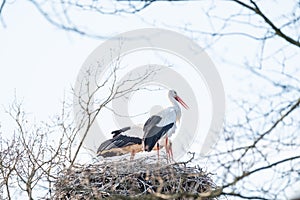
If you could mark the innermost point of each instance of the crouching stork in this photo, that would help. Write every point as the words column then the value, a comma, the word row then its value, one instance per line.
column 120, row 145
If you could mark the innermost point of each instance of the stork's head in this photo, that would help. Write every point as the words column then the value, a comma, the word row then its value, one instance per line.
column 173, row 95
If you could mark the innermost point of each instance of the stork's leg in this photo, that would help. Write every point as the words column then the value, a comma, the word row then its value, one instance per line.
column 132, row 155
column 171, row 150
column 143, row 145
column 157, row 144
column 167, row 148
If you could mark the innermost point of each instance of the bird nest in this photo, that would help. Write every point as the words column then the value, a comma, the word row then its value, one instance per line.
column 143, row 178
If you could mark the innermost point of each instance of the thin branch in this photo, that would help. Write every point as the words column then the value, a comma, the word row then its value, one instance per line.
column 277, row 30
column 294, row 106
column 243, row 196
column 2, row 6
column 246, row 174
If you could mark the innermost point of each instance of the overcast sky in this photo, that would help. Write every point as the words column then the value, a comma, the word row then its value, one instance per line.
column 40, row 63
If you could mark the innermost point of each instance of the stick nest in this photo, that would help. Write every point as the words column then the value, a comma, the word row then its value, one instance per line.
column 143, row 178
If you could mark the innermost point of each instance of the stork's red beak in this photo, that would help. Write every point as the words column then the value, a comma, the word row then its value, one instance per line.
column 181, row 102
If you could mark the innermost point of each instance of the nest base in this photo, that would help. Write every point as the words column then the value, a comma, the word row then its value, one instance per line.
column 143, row 178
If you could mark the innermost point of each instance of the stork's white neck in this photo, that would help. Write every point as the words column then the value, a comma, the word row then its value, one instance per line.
column 176, row 107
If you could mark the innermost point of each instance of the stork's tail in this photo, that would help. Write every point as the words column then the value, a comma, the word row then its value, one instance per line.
column 117, row 132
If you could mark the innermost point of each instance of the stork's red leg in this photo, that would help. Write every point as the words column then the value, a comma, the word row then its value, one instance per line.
column 167, row 149
column 171, row 150
column 157, row 144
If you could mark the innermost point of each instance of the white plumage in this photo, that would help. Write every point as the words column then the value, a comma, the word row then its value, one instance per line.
column 163, row 124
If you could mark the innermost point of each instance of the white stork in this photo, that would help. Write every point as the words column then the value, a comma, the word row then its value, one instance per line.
column 120, row 144
column 163, row 125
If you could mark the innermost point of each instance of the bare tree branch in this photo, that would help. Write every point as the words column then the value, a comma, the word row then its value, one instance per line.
column 277, row 30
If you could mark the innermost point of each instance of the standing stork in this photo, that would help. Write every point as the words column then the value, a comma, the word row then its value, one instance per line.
column 163, row 125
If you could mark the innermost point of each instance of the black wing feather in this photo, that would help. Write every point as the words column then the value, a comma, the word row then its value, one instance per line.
column 151, row 122
column 154, row 134
column 118, row 142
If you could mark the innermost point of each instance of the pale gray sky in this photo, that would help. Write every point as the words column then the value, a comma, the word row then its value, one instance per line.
column 40, row 62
